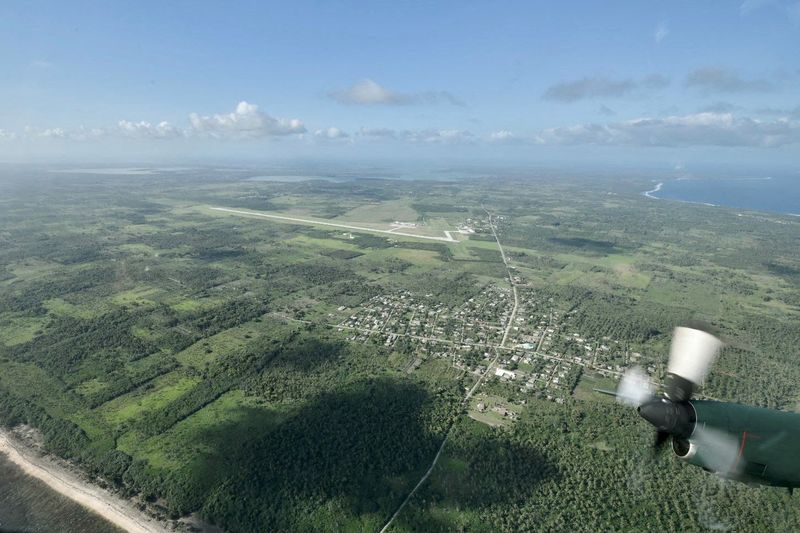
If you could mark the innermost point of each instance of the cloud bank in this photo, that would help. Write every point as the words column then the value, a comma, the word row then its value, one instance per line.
column 423, row 136
column 700, row 129
column 714, row 125
column 783, row 113
column 246, row 121
column 721, row 80
column 146, row 130
column 331, row 133
column 502, row 136
column 601, row 87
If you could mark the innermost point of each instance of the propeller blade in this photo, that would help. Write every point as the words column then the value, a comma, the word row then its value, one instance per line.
column 717, row 450
column 634, row 388
column 690, row 358
column 661, row 439
column 658, row 444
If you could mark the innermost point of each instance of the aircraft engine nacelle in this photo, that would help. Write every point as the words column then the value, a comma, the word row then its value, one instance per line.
column 750, row 444
column 691, row 453
column 710, row 443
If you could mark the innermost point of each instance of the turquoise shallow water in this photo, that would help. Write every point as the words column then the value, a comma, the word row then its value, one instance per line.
column 778, row 194
column 28, row 505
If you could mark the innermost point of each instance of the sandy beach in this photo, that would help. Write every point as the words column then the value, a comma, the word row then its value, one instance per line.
column 116, row 510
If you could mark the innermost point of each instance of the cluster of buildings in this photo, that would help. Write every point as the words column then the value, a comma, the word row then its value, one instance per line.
column 423, row 319
column 544, row 353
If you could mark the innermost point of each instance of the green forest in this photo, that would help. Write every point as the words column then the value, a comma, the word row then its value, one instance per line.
column 198, row 359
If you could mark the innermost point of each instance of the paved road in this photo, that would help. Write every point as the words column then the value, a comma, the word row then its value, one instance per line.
column 448, row 238
column 511, row 318
column 510, row 280
column 474, row 387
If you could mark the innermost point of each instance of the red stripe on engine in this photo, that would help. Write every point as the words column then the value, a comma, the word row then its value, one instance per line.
column 741, row 450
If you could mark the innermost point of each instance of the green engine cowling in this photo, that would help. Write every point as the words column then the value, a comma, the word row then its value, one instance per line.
column 749, row 444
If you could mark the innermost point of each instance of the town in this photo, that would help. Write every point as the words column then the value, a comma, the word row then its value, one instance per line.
column 544, row 356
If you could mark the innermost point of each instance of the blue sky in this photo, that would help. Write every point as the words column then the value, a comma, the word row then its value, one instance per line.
column 632, row 81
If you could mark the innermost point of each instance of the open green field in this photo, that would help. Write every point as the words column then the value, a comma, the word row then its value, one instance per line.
column 164, row 389
column 198, row 435
column 222, row 344
column 382, row 212
column 19, row 329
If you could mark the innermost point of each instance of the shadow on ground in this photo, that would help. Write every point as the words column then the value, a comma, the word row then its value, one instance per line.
column 343, row 461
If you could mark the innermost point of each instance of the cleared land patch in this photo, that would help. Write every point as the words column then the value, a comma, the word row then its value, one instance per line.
column 164, row 389
column 404, row 231
column 219, row 345
column 18, row 329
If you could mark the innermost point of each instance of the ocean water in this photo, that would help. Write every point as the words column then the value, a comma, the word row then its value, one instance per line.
column 28, row 505
column 777, row 194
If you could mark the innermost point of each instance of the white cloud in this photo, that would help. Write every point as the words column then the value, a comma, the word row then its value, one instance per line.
column 331, row 133
column 40, row 64
column 382, row 133
column 432, row 136
column 789, row 8
column 426, row 136
column 368, row 92
column 700, row 129
column 85, row 134
column 749, row 6
column 502, row 136
column 7, row 135
column 661, row 33
column 247, row 121
column 146, row 130
column 124, row 128
column 53, row 133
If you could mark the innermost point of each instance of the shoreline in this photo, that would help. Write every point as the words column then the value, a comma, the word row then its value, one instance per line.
column 657, row 188
column 781, row 210
column 118, row 511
